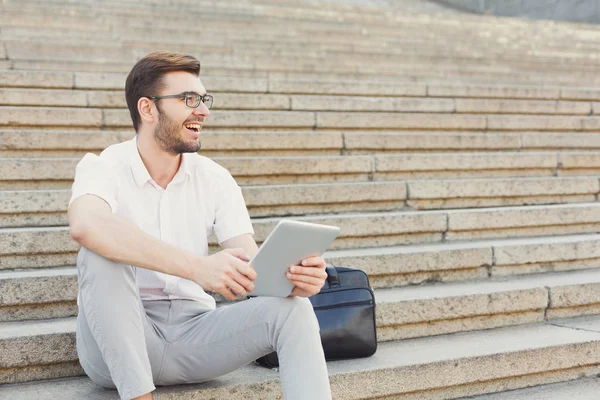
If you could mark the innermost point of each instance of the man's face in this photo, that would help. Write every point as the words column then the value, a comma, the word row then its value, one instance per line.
column 178, row 127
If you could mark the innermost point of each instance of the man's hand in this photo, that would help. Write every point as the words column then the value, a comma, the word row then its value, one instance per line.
column 226, row 272
column 308, row 277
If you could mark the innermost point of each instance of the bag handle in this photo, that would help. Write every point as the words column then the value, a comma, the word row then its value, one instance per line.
column 332, row 276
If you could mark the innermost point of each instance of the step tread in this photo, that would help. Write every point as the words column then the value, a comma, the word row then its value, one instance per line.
column 581, row 389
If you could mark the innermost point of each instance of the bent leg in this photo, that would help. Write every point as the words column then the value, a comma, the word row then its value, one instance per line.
column 115, row 339
column 203, row 347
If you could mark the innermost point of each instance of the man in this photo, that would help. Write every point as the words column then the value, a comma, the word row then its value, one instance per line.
column 142, row 212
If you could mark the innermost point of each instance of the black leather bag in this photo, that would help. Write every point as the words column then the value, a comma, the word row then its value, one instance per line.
column 345, row 309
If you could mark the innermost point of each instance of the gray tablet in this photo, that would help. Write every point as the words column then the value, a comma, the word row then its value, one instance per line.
column 288, row 244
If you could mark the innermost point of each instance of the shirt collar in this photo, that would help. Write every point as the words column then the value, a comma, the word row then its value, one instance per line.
column 141, row 174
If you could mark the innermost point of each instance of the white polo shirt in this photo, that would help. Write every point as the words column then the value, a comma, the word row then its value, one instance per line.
column 202, row 197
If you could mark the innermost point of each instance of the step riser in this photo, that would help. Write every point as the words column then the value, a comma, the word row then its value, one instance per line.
column 41, row 372
column 39, row 311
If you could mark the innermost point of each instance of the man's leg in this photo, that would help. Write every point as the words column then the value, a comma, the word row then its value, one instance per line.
column 116, row 342
column 203, row 347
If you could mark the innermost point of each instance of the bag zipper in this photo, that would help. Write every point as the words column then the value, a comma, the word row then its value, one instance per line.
column 355, row 303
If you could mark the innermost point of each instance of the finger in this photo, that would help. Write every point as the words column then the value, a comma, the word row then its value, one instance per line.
column 236, row 288
column 245, row 269
column 239, row 253
column 305, row 279
column 299, row 292
column 309, row 271
column 314, row 262
column 307, row 288
column 228, row 294
column 243, row 281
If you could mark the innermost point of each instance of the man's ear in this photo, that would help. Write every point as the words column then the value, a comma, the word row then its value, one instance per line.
column 146, row 110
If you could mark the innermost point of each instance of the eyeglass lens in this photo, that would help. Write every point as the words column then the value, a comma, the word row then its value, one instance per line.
column 193, row 100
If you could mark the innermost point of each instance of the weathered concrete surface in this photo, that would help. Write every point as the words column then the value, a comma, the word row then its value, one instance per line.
column 581, row 389
column 478, row 359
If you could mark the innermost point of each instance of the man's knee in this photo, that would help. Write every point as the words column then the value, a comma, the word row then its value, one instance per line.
column 94, row 263
column 297, row 311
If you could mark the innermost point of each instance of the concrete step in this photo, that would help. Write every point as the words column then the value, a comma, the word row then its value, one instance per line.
column 417, row 27
column 40, row 246
column 483, row 362
column 73, row 143
column 538, row 62
column 418, row 73
column 116, row 81
column 408, row 227
column 272, row 200
column 215, row 143
column 115, row 118
column 309, row 85
column 58, row 173
column 375, row 20
column 408, row 312
column 414, row 28
column 222, row 40
column 347, row 12
column 270, row 27
column 449, row 71
column 477, row 259
column 49, row 246
column 387, row 266
column 581, row 389
column 48, row 207
column 241, row 101
column 231, row 31
column 380, row 142
column 125, row 51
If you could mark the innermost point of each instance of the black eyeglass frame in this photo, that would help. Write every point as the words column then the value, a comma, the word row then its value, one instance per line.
column 207, row 98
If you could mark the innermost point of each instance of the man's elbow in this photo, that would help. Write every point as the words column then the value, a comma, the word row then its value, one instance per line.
column 79, row 226
column 78, row 231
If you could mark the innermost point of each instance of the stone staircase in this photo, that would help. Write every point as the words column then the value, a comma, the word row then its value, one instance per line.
column 458, row 153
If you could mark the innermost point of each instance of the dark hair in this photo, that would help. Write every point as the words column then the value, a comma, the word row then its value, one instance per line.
column 145, row 78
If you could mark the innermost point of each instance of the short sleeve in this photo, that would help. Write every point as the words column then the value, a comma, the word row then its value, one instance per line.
column 231, row 214
column 94, row 175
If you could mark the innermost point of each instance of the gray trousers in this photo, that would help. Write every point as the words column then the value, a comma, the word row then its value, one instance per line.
column 133, row 345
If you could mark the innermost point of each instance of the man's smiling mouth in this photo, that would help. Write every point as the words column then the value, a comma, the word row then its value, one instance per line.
column 193, row 126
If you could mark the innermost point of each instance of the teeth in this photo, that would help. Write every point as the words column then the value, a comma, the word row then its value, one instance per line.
column 192, row 126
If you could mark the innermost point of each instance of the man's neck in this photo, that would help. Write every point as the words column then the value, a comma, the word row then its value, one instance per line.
column 161, row 166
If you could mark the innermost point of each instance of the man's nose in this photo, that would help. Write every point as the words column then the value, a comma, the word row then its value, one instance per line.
column 202, row 109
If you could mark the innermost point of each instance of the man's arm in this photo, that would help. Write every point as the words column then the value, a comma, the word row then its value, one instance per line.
column 92, row 225
column 244, row 241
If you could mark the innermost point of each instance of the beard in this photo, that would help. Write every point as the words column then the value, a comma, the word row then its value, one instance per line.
column 168, row 136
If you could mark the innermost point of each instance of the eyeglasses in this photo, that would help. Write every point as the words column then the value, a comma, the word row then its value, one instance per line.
column 192, row 99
